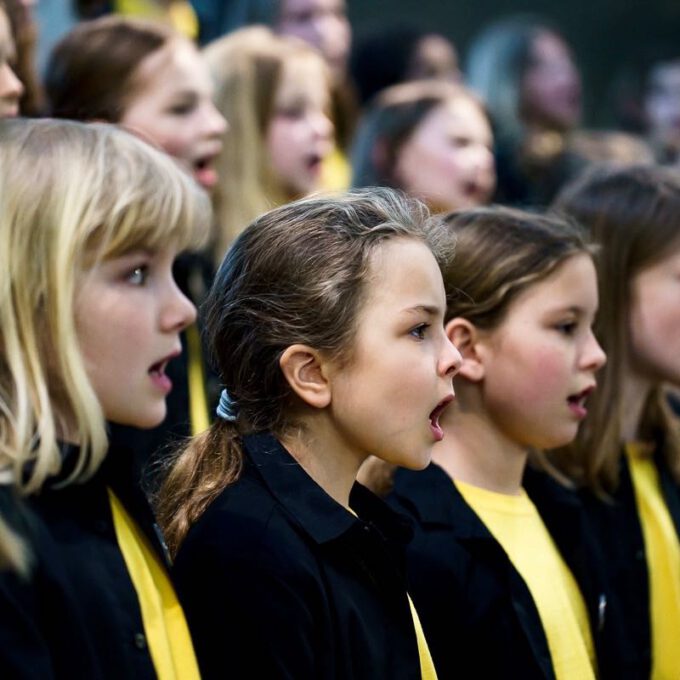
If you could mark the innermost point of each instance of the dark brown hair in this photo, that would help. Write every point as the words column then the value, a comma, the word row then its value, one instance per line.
column 91, row 72
column 295, row 275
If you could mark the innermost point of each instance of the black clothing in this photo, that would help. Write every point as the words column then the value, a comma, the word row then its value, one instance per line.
column 619, row 532
column 477, row 612
column 80, row 520
column 278, row 580
column 41, row 634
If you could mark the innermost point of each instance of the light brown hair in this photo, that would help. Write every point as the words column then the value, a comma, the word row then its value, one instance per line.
column 632, row 213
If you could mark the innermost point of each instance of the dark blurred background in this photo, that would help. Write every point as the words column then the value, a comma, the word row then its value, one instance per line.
column 611, row 39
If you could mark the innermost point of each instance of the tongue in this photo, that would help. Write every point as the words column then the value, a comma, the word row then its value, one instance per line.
column 206, row 177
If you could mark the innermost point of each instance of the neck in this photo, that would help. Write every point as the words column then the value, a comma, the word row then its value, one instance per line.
column 333, row 468
column 636, row 391
column 474, row 451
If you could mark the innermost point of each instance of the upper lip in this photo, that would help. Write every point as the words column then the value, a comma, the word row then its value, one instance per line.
column 166, row 359
column 436, row 411
column 582, row 394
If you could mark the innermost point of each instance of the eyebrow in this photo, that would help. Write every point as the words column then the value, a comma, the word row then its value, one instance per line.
column 427, row 309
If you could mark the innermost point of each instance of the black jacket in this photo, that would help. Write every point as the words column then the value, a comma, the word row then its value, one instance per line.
column 279, row 581
column 478, row 614
column 80, row 520
column 42, row 636
column 619, row 532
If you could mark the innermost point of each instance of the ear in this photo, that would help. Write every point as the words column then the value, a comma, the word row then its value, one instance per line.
column 304, row 369
column 465, row 336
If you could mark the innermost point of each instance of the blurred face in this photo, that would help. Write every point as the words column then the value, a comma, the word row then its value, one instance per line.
column 129, row 313
column 11, row 88
column 662, row 105
column 322, row 24
column 172, row 107
column 655, row 321
column 387, row 400
column 435, row 57
column 300, row 133
column 447, row 161
column 551, row 85
column 540, row 363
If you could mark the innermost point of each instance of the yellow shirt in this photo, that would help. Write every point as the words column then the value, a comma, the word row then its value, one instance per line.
column 172, row 651
column 336, row 173
column 516, row 525
column 662, row 551
column 179, row 13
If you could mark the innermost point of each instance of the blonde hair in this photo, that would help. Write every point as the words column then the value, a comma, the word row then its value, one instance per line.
column 247, row 67
column 71, row 195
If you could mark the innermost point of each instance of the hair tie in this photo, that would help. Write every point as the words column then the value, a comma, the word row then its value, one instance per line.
column 227, row 409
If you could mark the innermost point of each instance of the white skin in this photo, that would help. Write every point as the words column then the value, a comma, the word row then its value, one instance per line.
column 171, row 106
column 129, row 313
column 323, row 24
column 655, row 336
column 523, row 384
column 300, row 133
column 448, row 160
column 662, row 105
column 434, row 57
column 11, row 88
column 551, row 86
column 386, row 401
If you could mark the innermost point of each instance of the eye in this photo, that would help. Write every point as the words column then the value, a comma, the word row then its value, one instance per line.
column 419, row 331
column 182, row 108
column 567, row 327
column 139, row 275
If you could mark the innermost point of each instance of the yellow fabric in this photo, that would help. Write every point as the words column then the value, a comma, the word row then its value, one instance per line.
column 164, row 625
column 180, row 14
column 516, row 525
column 427, row 670
column 336, row 173
column 198, row 404
column 662, row 550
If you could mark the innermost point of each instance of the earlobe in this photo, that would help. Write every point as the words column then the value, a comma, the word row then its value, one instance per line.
column 303, row 368
column 465, row 336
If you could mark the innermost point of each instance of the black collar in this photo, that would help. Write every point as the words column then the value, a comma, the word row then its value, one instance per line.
column 323, row 518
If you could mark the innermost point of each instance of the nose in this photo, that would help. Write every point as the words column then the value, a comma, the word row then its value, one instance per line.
column 214, row 123
column 178, row 311
column 321, row 125
column 450, row 359
column 10, row 86
column 593, row 356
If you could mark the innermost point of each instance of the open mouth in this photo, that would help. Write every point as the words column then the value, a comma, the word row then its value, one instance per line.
column 435, row 415
column 204, row 171
column 158, row 375
column 577, row 402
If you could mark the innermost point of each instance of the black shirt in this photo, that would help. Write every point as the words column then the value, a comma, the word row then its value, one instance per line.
column 477, row 612
column 278, row 580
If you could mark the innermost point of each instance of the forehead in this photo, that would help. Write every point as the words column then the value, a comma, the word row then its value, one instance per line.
column 6, row 42
column 403, row 273
column 453, row 114
column 573, row 284
column 303, row 73
column 177, row 64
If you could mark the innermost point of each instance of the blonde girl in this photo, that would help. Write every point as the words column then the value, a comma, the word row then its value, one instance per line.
column 431, row 139
column 275, row 93
column 326, row 322
column 91, row 220
column 627, row 456
column 503, row 564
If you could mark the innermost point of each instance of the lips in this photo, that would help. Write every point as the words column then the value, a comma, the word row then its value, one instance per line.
column 204, row 171
column 577, row 402
column 435, row 427
column 158, row 375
